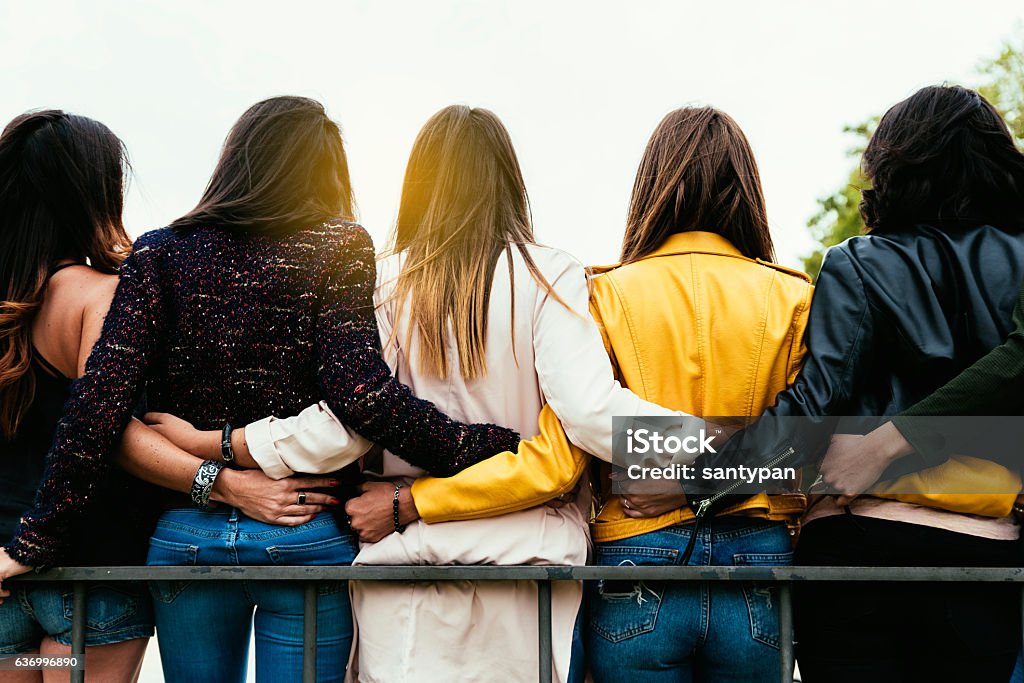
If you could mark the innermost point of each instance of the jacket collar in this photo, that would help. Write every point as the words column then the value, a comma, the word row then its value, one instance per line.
column 690, row 242
column 695, row 241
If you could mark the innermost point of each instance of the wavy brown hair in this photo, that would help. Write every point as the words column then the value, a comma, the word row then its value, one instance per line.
column 61, row 197
column 697, row 173
column 463, row 204
column 282, row 169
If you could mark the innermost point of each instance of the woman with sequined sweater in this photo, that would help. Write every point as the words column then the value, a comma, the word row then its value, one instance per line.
column 257, row 302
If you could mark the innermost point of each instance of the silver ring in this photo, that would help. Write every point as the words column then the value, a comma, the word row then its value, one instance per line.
column 302, row 497
column 625, row 503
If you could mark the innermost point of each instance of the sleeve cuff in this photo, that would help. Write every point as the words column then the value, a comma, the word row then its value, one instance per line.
column 313, row 442
column 263, row 449
column 924, row 435
column 29, row 554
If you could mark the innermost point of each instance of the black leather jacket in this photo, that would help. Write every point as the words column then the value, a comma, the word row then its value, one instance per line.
column 895, row 316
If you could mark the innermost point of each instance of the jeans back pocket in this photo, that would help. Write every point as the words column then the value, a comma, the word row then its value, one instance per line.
column 107, row 607
column 763, row 598
column 170, row 554
column 329, row 551
column 623, row 609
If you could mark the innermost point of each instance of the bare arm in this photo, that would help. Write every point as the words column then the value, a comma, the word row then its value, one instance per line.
column 149, row 456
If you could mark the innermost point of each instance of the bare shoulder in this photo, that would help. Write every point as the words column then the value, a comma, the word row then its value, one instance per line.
column 75, row 303
column 81, row 288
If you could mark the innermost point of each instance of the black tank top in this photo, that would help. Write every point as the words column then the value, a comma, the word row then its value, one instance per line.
column 24, row 457
column 115, row 528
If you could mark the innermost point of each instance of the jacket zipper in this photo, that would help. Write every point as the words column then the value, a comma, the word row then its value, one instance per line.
column 705, row 505
column 702, row 508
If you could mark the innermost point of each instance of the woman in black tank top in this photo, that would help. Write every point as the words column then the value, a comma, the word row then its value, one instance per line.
column 24, row 456
column 61, row 185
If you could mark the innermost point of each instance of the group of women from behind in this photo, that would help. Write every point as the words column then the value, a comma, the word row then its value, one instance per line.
column 251, row 385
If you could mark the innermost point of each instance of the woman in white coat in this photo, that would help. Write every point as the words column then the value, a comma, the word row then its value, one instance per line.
column 476, row 317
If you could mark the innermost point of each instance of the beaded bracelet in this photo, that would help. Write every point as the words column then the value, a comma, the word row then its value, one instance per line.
column 399, row 527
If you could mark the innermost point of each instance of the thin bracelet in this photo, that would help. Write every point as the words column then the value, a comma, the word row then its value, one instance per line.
column 202, row 484
column 399, row 527
column 226, row 451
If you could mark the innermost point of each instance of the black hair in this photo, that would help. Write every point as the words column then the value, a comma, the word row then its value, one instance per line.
column 944, row 154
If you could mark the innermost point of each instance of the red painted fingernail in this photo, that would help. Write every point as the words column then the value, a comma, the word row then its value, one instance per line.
column 335, row 482
column 334, row 501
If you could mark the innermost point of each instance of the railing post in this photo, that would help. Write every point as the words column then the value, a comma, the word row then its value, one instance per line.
column 309, row 635
column 78, row 617
column 786, row 658
column 1022, row 613
column 544, row 629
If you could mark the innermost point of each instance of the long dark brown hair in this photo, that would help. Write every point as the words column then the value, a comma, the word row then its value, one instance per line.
column 943, row 154
column 463, row 203
column 61, row 197
column 697, row 173
column 283, row 168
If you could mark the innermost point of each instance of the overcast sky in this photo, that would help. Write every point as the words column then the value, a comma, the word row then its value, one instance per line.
column 580, row 86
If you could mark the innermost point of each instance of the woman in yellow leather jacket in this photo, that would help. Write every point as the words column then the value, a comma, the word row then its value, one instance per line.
column 722, row 338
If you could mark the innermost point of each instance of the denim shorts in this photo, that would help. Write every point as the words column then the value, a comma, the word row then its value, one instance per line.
column 115, row 613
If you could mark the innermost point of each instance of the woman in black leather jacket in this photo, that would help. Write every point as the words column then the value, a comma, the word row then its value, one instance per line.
column 896, row 314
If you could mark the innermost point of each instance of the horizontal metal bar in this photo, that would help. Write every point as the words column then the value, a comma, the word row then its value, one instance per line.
column 542, row 573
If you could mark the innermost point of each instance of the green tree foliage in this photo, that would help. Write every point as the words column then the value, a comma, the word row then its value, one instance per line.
column 1003, row 85
column 1001, row 80
column 838, row 217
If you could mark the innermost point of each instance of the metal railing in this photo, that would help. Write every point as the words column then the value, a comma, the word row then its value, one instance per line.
column 80, row 577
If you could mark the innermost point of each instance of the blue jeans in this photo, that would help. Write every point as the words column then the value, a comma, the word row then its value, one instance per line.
column 114, row 613
column 716, row 632
column 204, row 628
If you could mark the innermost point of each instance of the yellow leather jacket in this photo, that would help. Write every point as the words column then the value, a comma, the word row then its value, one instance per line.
column 694, row 326
column 722, row 336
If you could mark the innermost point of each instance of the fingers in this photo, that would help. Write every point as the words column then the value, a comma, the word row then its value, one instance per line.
column 370, row 536
column 844, row 500
column 312, row 498
column 294, row 521
column 305, row 483
column 367, row 486
column 301, row 510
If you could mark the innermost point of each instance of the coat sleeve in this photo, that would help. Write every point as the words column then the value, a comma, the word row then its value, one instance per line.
column 96, row 414
column 359, row 387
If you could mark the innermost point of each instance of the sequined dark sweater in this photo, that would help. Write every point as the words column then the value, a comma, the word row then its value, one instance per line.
column 220, row 328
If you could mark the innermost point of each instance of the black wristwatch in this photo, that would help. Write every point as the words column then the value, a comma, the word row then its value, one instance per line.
column 226, row 451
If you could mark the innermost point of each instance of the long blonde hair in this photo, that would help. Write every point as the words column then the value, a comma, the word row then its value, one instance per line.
column 463, row 203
